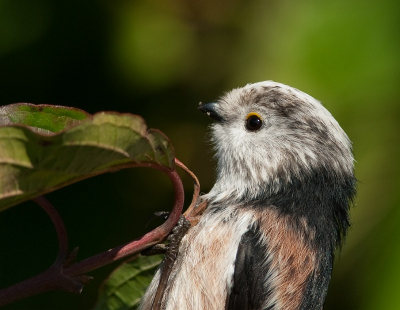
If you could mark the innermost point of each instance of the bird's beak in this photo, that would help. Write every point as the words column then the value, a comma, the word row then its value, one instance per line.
column 209, row 109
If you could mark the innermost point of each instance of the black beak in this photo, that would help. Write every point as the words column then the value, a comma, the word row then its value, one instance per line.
column 209, row 109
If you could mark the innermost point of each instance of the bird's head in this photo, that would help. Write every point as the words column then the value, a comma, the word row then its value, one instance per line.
column 268, row 135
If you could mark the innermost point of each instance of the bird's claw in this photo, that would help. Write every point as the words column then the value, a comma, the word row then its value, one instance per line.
column 174, row 238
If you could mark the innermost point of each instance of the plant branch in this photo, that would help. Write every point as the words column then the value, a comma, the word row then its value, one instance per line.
column 72, row 278
column 153, row 237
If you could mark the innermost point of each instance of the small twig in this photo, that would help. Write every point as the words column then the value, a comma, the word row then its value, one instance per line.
column 196, row 191
column 196, row 208
column 194, row 216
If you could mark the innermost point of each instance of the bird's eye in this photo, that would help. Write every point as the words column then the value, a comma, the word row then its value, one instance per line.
column 253, row 121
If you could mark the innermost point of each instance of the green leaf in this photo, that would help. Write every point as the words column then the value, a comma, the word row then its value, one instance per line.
column 33, row 163
column 42, row 118
column 126, row 285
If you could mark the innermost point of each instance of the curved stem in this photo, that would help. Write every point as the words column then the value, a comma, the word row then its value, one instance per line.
column 196, row 191
column 58, row 225
column 153, row 237
column 72, row 278
column 196, row 208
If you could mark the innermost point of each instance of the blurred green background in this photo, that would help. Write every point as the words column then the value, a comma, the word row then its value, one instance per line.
column 159, row 59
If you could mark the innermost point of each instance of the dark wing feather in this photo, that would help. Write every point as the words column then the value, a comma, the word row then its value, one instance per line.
column 249, row 289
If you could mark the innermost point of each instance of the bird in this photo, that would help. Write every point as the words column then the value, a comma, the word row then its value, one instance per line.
column 278, row 211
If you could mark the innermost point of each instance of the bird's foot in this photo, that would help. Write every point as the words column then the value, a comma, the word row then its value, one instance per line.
column 174, row 239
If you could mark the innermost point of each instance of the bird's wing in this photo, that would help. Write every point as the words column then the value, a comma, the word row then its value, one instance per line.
column 249, row 289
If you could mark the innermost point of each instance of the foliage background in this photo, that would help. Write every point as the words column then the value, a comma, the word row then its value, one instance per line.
column 159, row 59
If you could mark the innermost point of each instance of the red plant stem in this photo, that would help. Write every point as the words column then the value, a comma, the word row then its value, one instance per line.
column 72, row 279
column 58, row 225
column 153, row 237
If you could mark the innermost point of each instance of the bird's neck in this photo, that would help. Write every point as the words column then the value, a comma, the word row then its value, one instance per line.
column 321, row 197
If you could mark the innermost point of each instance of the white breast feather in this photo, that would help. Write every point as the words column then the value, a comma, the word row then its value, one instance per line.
column 202, row 275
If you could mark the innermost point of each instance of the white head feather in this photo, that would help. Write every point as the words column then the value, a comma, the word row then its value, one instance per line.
column 298, row 136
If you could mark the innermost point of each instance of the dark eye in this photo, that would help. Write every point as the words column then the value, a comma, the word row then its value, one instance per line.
column 253, row 121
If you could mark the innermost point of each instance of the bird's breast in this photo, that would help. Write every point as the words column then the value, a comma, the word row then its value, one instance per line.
column 202, row 274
